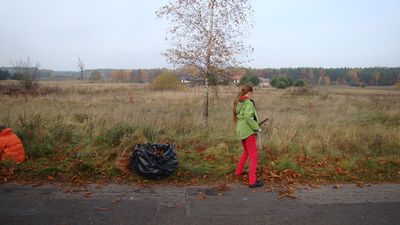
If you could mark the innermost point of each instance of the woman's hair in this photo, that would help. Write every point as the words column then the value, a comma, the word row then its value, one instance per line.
column 243, row 90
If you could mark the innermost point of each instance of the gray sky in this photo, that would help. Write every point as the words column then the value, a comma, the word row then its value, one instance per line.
column 127, row 34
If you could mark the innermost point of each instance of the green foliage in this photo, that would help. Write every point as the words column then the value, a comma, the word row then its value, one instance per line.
column 281, row 85
column 114, row 135
column 281, row 82
column 42, row 139
column 342, row 76
column 288, row 164
column 252, row 80
column 217, row 80
column 289, row 81
column 299, row 83
column 4, row 75
column 166, row 81
column 33, row 136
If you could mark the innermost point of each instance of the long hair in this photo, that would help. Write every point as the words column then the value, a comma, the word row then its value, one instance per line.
column 243, row 90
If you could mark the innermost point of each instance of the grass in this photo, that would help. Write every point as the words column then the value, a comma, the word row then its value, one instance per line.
column 80, row 130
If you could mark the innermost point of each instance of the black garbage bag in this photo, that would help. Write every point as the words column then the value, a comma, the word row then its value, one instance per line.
column 154, row 161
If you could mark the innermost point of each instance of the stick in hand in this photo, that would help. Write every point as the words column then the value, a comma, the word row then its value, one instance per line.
column 259, row 124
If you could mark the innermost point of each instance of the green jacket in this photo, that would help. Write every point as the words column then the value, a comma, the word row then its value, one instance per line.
column 247, row 119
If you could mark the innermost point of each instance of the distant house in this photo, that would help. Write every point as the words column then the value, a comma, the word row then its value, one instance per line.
column 191, row 81
column 264, row 82
column 236, row 78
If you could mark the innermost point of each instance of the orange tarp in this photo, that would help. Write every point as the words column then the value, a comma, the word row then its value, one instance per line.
column 11, row 147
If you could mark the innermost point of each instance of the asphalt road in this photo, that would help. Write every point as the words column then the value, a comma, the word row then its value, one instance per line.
column 121, row 204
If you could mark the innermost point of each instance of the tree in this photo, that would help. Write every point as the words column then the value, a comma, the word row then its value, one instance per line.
column 27, row 74
column 4, row 75
column 281, row 82
column 95, row 76
column 120, row 75
column 143, row 76
column 299, row 83
column 81, row 66
column 166, row 81
column 252, row 80
column 208, row 35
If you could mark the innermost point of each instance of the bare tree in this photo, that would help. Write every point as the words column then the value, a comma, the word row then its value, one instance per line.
column 207, row 34
column 27, row 74
column 81, row 66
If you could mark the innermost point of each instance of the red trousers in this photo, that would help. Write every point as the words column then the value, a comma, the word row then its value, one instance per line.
column 249, row 151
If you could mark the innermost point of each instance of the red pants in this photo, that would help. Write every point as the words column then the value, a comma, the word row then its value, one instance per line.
column 249, row 151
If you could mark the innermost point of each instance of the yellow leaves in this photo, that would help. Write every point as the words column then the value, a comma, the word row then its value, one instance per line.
column 287, row 194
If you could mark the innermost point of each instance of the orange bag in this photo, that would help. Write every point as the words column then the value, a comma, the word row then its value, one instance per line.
column 10, row 146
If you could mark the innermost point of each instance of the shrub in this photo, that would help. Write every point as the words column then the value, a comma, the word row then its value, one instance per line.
column 4, row 75
column 281, row 85
column 281, row 82
column 166, row 81
column 299, row 83
column 252, row 80
column 95, row 76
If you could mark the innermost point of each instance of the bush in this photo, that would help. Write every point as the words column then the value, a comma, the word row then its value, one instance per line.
column 281, row 85
column 281, row 82
column 5, row 75
column 95, row 76
column 299, row 83
column 166, row 81
column 252, row 80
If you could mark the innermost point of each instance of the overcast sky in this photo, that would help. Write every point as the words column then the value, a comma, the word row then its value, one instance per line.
column 127, row 34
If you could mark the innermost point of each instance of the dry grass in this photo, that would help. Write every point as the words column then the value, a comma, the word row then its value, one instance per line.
column 86, row 126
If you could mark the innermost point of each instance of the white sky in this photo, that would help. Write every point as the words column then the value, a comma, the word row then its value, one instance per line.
column 127, row 33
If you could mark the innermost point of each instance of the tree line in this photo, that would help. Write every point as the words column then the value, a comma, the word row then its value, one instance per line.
column 326, row 76
column 312, row 76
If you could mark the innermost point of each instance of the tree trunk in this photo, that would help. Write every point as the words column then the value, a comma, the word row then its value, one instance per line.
column 205, row 103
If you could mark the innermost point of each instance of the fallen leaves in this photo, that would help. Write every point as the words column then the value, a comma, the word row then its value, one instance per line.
column 114, row 201
column 87, row 194
column 222, row 186
column 201, row 196
column 360, row 184
column 315, row 186
column 102, row 209
column 287, row 194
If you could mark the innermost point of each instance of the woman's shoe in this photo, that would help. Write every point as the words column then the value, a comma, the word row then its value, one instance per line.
column 258, row 183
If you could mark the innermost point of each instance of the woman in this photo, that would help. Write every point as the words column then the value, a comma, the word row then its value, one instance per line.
column 246, row 120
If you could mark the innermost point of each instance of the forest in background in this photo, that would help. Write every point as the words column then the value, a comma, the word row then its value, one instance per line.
column 374, row 76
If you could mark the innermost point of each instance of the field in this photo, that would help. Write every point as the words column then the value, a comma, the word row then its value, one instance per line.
column 315, row 135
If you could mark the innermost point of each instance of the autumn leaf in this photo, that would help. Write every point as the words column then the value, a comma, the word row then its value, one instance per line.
column 222, row 186
column 287, row 195
column 315, row 186
column 102, row 209
column 116, row 200
column 201, row 196
column 87, row 194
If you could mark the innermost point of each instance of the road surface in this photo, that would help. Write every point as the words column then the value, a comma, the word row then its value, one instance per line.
column 123, row 204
